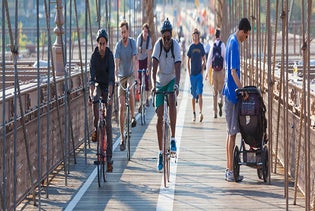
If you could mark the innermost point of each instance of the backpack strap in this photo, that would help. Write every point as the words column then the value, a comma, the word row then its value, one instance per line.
column 172, row 49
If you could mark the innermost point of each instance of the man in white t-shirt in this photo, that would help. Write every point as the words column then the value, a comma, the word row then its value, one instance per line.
column 166, row 77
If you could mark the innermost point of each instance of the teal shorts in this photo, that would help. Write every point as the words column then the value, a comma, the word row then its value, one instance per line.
column 159, row 98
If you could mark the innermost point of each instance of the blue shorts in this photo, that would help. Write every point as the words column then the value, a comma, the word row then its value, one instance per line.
column 231, row 116
column 196, row 82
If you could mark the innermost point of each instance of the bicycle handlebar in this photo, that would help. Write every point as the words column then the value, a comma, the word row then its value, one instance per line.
column 142, row 70
column 128, row 87
column 165, row 92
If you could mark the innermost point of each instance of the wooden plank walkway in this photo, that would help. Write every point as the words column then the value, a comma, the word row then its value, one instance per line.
column 197, row 179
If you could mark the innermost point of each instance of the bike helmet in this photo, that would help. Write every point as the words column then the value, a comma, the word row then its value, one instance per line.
column 166, row 26
column 102, row 33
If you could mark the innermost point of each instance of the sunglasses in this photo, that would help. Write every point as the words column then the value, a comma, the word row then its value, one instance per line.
column 167, row 38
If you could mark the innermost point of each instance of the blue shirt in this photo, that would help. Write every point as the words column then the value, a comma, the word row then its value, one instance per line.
column 195, row 53
column 232, row 58
column 125, row 54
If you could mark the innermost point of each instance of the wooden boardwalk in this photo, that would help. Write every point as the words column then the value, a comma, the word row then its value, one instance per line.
column 197, row 179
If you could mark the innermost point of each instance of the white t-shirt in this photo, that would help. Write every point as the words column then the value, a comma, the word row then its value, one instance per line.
column 166, row 69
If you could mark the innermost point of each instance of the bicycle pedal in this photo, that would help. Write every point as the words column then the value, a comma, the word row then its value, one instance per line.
column 97, row 162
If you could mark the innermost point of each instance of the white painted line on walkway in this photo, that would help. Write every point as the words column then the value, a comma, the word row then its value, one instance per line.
column 166, row 195
column 87, row 184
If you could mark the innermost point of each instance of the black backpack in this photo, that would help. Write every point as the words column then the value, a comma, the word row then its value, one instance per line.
column 217, row 62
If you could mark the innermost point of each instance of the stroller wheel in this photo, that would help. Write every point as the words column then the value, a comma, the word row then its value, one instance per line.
column 260, row 173
column 236, row 165
column 265, row 167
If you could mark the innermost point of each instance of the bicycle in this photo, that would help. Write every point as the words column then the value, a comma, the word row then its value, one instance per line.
column 127, row 125
column 116, row 103
column 101, row 142
column 142, row 96
column 167, row 154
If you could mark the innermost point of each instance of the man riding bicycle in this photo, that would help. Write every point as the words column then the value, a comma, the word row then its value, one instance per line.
column 166, row 77
column 102, row 74
column 126, row 72
column 144, row 50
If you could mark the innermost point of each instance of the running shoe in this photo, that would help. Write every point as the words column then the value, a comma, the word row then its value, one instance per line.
column 160, row 163
column 133, row 122
column 200, row 117
column 109, row 167
column 94, row 136
column 220, row 109
column 122, row 146
column 230, row 177
column 194, row 117
column 173, row 145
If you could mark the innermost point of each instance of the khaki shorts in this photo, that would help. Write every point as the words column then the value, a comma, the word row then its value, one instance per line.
column 123, row 82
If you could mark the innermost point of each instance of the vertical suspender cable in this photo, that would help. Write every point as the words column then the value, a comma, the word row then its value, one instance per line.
column 298, row 150
column 308, row 136
column 26, row 141
column 38, row 110
column 70, row 80
column 87, row 2
column 16, row 82
column 117, row 34
column 85, row 88
column 270, row 87
column 283, row 15
column 3, row 183
column 82, row 72
column 66, row 90
column 305, row 117
column 280, row 89
column 47, row 11
column 286, row 108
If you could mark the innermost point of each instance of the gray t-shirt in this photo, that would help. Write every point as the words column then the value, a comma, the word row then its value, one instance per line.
column 125, row 54
column 142, row 50
column 166, row 68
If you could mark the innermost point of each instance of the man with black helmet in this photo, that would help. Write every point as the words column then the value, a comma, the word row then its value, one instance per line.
column 102, row 80
column 166, row 77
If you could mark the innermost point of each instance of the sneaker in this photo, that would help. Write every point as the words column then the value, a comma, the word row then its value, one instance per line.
column 220, row 109
column 133, row 122
column 173, row 145
column 94, row 136
column 230, row 177
column 109, row 167
column 226, row 173
column 160, row 163
column 194, row 117
column 200, row 117
column 122, row 146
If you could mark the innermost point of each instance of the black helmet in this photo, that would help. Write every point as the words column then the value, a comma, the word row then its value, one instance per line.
column 102, row 33
column 167, row 26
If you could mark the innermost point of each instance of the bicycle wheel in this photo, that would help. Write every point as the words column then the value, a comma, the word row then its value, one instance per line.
column 127, row 131
column 104, row 158
column 143, row 107
column 166, row 158
column 115, row 107
column 99, row 156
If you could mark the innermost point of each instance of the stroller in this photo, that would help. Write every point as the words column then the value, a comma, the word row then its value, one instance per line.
column 252, row 124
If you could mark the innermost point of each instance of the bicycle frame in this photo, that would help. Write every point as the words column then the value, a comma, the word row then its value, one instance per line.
column 101, row 142
column 127, row 117
column 166, row 137
column 142, row 95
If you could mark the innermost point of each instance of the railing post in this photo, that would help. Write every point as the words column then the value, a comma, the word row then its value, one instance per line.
column 58, row 45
